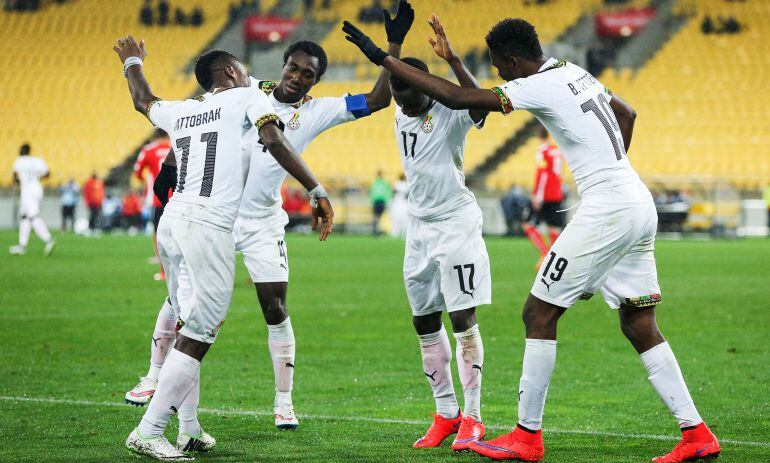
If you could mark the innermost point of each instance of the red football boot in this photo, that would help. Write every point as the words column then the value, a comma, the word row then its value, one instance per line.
column 698, row 444
column 520, row 445
column 470, row 430
column 438, row 431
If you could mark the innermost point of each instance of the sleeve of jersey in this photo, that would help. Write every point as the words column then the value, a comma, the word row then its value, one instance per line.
column 259, row 110
column 516, row 94
column 161, row 114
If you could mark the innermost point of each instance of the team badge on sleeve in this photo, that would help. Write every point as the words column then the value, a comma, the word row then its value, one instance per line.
column 427, row 125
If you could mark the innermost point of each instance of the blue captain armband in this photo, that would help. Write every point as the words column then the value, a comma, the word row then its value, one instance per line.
column 356, row 104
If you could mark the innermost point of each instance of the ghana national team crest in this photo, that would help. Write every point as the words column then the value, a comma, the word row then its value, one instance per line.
column 427, row 125
column 294, row 122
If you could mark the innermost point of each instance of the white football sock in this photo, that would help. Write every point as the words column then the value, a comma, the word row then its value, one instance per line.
column 470, row 361
column 280, row 341
column 436, row 358
column 536, row 371
column 177, row 378
column 666, row 378
column 163, row 337
column 24, row 229
column 40, row 229
column 188, row 411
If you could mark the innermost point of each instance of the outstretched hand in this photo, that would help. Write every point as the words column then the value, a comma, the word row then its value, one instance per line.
column 440, row 44
column 127, row 47
column 397, row 27
column 324, row 212
column 355, row 36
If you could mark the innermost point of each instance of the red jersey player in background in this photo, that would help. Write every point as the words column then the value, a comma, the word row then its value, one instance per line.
column 547, row 195
column 149, row 160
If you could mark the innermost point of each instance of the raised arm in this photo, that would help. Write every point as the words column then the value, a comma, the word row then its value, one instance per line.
column 396, row 29
column 280, row 148
column 626, row 116
column 132, row 55
column 447, row 93
column 444, row 50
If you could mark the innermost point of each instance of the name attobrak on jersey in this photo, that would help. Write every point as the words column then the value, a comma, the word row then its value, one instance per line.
column 208, row 135
column 301, row 122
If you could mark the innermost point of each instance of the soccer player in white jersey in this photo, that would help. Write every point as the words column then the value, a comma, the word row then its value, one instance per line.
column 27, row 172
column 195, row 238
column 446, row 266
column 259, row 229
column 608, row 246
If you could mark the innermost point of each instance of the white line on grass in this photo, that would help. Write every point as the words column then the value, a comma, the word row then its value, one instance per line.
column 367, row 419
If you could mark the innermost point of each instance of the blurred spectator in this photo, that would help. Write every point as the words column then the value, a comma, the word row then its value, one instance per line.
column 472, row 61
column 372, row 14
column 145, row 14
column 731, row 25
column 93, row 195
column 110, row 213
column 707, row 26
column 308, row 4
column 163, row 12
column 180, row 18
column 196, row 17
column 380, row 195
column 69, row 194
column 326, row 4
column 131, row 211
column 399, row 208
column 673, row 208
column 516, row 208
column 296, row 205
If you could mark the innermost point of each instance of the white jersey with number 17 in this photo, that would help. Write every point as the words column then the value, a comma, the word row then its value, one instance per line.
column 575, row 108
column 208, row 135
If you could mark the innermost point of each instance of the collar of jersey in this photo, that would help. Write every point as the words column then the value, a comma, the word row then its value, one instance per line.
column 268, row 86
column 551, row 63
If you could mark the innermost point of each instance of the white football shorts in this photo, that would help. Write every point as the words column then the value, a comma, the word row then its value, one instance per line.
column 199, row 261
column 29, row 204
column 609, row 246
column 261, row 241
column 446, row 265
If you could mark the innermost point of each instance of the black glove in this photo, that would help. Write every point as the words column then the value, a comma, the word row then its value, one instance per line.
column 165, row 181
column 397, row 27
column 364, row 43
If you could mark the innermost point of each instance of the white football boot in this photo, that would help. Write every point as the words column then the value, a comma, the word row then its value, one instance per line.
column 143, row 392
column 284, row 416
column 188, row 443
column 17, row 250
column 158, row 448
column 49, row 248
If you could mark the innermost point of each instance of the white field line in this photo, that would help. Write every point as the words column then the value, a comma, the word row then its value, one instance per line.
column 235, row 411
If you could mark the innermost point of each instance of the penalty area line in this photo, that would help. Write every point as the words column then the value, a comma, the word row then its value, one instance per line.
column 367, row 419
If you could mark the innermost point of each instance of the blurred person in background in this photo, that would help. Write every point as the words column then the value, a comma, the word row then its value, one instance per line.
column 547, row 196
column 27, row 172
column 131, row 211
column 380, row 195
column 145, row 13
column 93, row 195
column 69, row 194
column 399, row 208
column 110, row 213
column 146, row 169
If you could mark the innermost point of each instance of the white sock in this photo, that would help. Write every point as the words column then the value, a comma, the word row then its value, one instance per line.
column 436, row 358
column 163, row 337
column 470, row 361
column 280, row 341
column 24, row 228
column 188, row 411
column 40, row 229
column 666, row 378
column 536, row 371
column 177, row 378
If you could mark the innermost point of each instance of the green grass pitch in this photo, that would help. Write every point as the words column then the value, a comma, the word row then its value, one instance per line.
column 76, row 330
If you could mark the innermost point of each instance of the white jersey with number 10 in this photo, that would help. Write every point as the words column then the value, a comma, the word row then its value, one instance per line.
column 208, row 135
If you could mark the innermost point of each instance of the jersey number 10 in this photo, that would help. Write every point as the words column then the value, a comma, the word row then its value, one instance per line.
column 604, row 112
column 210, row 139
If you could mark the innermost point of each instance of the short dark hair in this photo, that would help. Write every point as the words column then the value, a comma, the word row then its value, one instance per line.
column 312, row 49
column 24, row 150
column 209, row 62
column 399, row 84
column 515, row 37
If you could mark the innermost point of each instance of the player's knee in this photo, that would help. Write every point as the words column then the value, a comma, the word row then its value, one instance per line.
column 427, row 324
column 540, row 318
column 275, row 311
column 463, row 320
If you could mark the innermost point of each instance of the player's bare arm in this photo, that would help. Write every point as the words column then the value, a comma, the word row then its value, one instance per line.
column 444, row 50
column 447, row 93
column 396, row 29
column 626, row 116
column 280, row 148
column 128, row 49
